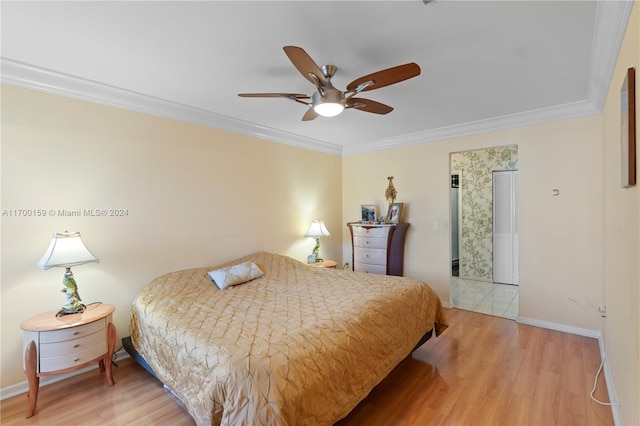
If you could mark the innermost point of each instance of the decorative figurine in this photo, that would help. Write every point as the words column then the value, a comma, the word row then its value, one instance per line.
column 70, row 290
column 315, row 255
column 391, row 192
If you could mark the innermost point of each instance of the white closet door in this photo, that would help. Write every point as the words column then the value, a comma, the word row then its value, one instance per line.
column 505, row 227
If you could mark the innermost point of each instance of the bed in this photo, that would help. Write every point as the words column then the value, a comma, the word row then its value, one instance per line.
column 289, row 345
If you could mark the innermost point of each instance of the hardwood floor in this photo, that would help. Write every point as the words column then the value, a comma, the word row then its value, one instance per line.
column 483, row 370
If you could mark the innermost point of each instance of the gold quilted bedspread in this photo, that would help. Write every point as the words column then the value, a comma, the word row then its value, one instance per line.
column 299, row 346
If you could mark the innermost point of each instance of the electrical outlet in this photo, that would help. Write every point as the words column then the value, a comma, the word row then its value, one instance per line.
column 603, row 311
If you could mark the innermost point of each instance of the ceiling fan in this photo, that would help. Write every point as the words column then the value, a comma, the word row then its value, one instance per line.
column 328, row 101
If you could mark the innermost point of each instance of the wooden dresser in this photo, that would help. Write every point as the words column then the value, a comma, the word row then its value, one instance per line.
column 378, row 248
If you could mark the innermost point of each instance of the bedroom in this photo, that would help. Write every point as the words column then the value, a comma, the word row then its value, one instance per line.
column 214, row 195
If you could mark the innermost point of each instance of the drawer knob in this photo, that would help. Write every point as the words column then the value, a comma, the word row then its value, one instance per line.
column 77, row 345
column 76, row 359
column 75, row 333
column 367, row 242
column 367, row 255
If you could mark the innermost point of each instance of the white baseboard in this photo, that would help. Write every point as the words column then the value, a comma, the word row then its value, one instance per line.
column 608, row 377
column 587, row 332
column 23, row 387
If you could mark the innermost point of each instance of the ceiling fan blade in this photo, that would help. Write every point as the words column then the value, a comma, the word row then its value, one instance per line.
column 369, row 106
column 296, row 97
column 386, row 77
column 303, row 62
column 274, row 95
column 311, row 114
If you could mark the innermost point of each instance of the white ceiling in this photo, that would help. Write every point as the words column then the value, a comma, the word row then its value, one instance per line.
column 485, row 64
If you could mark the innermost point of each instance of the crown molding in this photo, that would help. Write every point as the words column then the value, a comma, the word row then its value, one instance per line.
column 543, row 115
column 36, row 78
column 611, row 22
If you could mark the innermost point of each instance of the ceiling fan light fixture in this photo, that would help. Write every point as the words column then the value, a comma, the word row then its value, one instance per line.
column 328, row 109
column 329, row 105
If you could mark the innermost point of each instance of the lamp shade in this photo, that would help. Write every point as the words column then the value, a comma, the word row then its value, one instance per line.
column 317, row 230
column 66, row 249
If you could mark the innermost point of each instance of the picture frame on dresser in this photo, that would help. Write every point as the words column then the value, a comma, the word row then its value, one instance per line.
column 368, row 213
column 394, row 213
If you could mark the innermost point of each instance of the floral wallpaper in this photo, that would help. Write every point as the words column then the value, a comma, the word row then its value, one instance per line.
column 476, row 169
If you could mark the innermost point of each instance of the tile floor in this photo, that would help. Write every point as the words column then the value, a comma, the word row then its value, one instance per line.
column 488, row 298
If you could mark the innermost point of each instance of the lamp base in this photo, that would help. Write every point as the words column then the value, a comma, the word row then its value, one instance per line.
column 70, row 311
column 315, row 256
column 70, row 290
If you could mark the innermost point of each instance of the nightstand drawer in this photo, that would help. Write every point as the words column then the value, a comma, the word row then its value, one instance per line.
column 72, row 333
column 71, row 360
column 377, row 232
column 48, row 350
column 371, row 256
column 371, row 269
column 370, row 242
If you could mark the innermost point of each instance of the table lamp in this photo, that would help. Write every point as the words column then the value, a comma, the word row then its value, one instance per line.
column 67, row 250
column 317, row 230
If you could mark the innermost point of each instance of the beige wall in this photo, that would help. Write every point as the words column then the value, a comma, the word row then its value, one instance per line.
column 560, row 237
column 195, row 196
column 622, row 239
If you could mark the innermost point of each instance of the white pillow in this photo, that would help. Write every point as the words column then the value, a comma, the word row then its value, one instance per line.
column 235, row 274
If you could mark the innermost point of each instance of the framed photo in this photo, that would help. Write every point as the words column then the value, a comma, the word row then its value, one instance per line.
column 628, row 129
column 368, row 212
column 394, row 212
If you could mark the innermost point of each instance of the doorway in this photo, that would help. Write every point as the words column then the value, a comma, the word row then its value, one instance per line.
column 472, row 283
column 505, row 227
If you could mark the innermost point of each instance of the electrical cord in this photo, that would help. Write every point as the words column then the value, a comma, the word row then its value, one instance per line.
column 580, row 308
column 115, row 354
column 115, row 357
column 595, row 385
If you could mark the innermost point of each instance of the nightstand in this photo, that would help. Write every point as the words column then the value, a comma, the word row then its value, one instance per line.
column 325, row 264
column 61, row 345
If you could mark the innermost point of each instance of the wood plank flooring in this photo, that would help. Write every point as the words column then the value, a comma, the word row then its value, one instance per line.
column 483, row 370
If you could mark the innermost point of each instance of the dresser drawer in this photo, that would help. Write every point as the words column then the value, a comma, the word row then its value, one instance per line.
column 72, row 333
column 377, row 232
column 369, row 242
column 62, row 362
column 370, row 256
column 378, row 248
column 71, row 346
column 371, row 269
